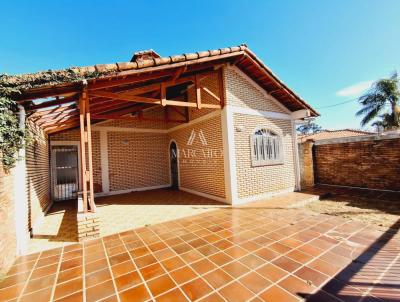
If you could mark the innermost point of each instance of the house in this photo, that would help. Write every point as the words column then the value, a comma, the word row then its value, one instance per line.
column 328, row 134
column 216, row 123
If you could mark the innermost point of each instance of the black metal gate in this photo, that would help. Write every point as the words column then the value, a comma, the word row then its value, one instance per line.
column 65, row 179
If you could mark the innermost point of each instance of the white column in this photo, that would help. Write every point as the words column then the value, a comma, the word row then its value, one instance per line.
column 296, row 156
column 228, row 138
column 20, row 196
column 105, row 182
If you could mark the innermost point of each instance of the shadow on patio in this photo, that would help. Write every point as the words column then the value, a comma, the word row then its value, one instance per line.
column 119, row 213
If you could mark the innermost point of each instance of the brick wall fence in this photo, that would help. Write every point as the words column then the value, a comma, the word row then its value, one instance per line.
column 371, row 162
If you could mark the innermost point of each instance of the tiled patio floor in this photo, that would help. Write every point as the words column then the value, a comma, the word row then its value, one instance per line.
column 253, row 253
column 119, row 213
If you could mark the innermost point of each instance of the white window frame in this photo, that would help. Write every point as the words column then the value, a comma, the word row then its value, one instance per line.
column 264, row 145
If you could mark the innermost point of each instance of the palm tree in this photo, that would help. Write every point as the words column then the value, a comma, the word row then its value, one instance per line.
column 382, row 102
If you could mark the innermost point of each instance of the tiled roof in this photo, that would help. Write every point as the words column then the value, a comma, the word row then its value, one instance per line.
column 328, row 134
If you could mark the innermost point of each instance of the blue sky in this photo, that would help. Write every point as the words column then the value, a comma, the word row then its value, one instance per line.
column 321, row 49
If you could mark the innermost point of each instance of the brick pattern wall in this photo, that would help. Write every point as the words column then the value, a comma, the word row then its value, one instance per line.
column 37, row 174
column 265, row 179
column 74, row 135
column 240, row 92
column 137, row 160
column 202, row 172
column 88, row 226
column 306, row 164
column 7, row 218
column 373, row 164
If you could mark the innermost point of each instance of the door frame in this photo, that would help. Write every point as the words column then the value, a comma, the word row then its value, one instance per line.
column 177, row 163
column 52, row 163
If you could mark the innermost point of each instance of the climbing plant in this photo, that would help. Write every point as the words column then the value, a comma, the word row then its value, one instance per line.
column 12, row 138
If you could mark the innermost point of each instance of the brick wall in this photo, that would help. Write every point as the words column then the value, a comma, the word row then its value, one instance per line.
column 242, row 92
column 201, row 167
column 264, row 179
column 306, row 164
column 373, row 163
column 137, row 160
column 37, row 174
column 7, row 218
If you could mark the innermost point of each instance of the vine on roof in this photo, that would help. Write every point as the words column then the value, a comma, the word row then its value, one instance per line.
column 12, row 137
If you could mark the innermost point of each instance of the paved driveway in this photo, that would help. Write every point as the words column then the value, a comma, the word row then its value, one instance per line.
column 253, row 253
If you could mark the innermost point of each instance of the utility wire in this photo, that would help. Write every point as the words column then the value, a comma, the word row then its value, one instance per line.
column 338, row 104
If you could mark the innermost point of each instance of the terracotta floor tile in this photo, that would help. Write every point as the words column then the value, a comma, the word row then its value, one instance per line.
column 122, row 268
column 12, row 292
column 271, row 272
column 128, row 280
column 220, row 258
column 152, row 271
column 164, row 254
column 40, row 295
column 311, row 275
column 68, row 264
column 172, row 296
column 286, row 264
column 297, row 287
column 203, row 266
column 98, row 277
column 279, row 248
column 322, row 296
column 15, row 279
column 119, row 258
column 267, row 254
column 192, row 256
column 95, row 266
column 100, row 291
column 160, row 285
column 255, row 282
column 236, row 252
column 183, row 274
column 323, row 267
column 40, row 283
column 75, row 297
column 44, row 271
column 215, row 297
column 145, row 261
column 235, row 269
column 68, row 288
column 48, row 260
column 299, row 256
column 275, row 293
column 138, row 294
column 217, row 278
column 172, row 263
column 235, row 292
column 311, row 250
column 252, row 261
column 196, row 289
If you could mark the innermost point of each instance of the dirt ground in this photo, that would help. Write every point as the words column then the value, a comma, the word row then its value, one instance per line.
column 375, row 211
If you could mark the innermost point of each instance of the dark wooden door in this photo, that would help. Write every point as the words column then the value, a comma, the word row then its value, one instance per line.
column 173, row 154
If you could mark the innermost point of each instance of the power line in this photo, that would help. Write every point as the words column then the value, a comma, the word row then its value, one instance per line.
column 338, row 104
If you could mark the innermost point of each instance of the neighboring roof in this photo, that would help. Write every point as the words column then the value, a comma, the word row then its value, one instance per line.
column 328, row 134
column 40, row 84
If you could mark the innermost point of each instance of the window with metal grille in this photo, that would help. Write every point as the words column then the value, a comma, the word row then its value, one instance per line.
column 266, row 148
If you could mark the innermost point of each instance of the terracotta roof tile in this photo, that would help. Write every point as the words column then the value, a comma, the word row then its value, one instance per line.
column 328, row 134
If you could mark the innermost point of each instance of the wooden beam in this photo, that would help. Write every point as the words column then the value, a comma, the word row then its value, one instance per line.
column 90, row 156
column 124, row 97
column 212, row 94
column 221, row 87
column 82, row 112
column 163, row 94
column 180, row 103
column 197, row 86
column 131, row 118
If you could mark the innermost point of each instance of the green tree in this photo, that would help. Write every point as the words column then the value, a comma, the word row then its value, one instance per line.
column 381, row 103
column 309, row 128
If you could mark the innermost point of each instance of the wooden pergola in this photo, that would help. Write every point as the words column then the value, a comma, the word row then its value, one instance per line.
column 123, row 90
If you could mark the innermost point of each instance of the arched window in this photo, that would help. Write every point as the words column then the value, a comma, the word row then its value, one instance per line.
column 266, row 148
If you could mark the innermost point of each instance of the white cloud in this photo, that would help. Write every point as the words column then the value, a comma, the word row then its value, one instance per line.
column 354, row 90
